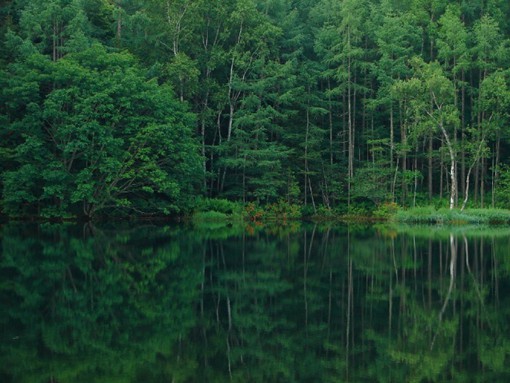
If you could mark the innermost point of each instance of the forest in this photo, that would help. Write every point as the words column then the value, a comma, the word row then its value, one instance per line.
column 153, row 107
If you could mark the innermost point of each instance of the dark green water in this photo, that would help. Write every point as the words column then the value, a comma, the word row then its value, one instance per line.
column 300, row 303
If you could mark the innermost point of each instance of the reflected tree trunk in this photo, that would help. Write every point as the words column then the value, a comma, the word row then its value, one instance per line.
column 453, row 262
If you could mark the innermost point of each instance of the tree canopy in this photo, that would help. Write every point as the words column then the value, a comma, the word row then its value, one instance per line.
column 142, row 106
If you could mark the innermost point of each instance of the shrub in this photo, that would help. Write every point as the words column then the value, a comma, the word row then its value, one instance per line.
column 281, row 210
column 217, row 204
column 209, row 216
column 386, row 210
column 325, row 212
column 215, row 209
column 254, row 212
column 358, row 210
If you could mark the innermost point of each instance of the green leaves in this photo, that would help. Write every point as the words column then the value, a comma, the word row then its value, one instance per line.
column 279, row 88
column 106, row 135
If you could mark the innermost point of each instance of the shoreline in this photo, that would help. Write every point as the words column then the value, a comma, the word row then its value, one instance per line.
column 414, row 216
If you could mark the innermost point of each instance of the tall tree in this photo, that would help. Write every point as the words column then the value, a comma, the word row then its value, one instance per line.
column 398, row 40
column 94, row 134
column 434, row 110
column 453, row 53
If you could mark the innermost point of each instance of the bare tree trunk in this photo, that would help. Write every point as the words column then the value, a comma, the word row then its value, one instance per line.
column 54, row 40
column 202, row 136
column 307, row 132
column 404, row 158
column 463, row 127
column 482, row 183
column 495, row 175
column 453, row 172
column 430, row 173
column 350, row 167
column 415, row 169
column 475, row 161
column 330, row 116
column 453, row 274
column 233, row 96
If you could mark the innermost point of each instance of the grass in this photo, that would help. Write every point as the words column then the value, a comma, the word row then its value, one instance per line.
column 429, row 214
column 217, row 210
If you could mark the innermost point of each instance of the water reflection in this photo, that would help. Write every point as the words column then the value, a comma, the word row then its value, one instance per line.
column 252, row 304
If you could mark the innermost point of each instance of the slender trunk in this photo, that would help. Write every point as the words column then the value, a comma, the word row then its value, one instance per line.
column 496, row 169
column 231, row 101
column 404, row 158
column 466, row 190
column 493, row 173
column 453, row 275
column 202, row 136
column 311, row 196
column 344, row 124
column 481, row 77
column 232, row 98
column 244, row 180
column 482, row 183
column 463, row 126
column 453, row 173
column 330, row 115
column 415, row 169
column 54, row 40
column 307, row 132
column 441, row 182
column 350, row 158
column 455, row 103
column 394, row 184
column 430, row 180
column 475, row 162
column 392, row 146
column 350, row 168
column 476, row 183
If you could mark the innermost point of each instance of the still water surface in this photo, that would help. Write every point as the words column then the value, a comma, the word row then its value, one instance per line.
column 299, row 303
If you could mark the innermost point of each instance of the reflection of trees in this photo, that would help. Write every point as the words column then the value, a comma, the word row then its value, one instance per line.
column 447, row 312
column 97, row 307
column 313, row 304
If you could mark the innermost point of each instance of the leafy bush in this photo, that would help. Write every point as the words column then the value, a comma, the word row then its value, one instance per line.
column 307, row 211
column 210, row 216
column 358, row 210
column 503, row 189
column 325, row 212
column 217, row 204
column 386, row 210
column 254, row 212
column 213, row 209
column 282, row 210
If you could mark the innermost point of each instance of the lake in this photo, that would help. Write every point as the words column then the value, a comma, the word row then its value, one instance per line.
column 217, row 303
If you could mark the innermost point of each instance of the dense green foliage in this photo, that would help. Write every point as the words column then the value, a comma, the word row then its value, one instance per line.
column 336, row 105
column 305, row 304
column 109, row 137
